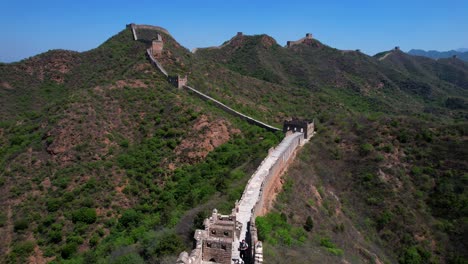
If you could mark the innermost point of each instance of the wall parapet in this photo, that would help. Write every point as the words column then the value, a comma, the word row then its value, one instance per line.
column 305, row 39
column 132, row 25
column 232, row 111
column 155, row 62
column 238, row 35
column 161, row 29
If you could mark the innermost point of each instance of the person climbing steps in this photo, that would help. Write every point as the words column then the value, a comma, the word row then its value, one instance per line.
column 243, row 247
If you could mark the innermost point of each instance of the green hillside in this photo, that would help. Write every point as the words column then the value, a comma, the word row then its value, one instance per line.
column 103, row 161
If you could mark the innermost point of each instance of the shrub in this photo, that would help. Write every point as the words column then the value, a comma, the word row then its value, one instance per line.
column 274, row 228
column 21, row 224
column 387, row 148
column 416, row 171
column 55, row 236
column 330, row 246
column 124, row 143
column 48, row 220
column 68, row 250
column 53, row 204
column 132, row 258
column 403, row 136
column 365, row 149
column 129, row 217
column 94, row 240
column 24, row 249
column 75, row 239
column 309, row 224
column 3, row 219
column 411, row 256
column 85, row 215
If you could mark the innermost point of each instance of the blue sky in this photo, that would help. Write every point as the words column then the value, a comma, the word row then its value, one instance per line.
column 31, row 27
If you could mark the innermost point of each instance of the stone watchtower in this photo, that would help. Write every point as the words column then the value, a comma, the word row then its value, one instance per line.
column 215, row 242
column 157, row 45
column 177, row 80
column 217, row 245
column 297, row 125
column 305, row 40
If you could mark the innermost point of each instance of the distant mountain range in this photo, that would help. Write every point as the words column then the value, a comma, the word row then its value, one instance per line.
column 461, row 53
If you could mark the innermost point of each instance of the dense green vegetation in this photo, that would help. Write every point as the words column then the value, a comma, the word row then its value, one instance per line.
column 90, row 173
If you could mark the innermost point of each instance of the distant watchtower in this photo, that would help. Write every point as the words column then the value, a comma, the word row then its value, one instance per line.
column 157, row 45
column 306, row 40
column 297, row 125
column 177, row 80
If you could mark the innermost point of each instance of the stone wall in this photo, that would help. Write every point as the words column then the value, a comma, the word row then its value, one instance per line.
column 273, row 178
column 134, row 31
column 155, row 62
column 305, row 39
column 232, row 111
column 152, row 28
column 217, row 242
column 238, row 35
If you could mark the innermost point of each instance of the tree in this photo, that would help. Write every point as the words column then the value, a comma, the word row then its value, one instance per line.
column 309, row 224
column 85, row 215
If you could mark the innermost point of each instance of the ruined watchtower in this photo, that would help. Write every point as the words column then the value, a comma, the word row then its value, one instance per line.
column 298, row 125
column 177, row 80
column 217, row 246
column 157, row 45
column 214, row 244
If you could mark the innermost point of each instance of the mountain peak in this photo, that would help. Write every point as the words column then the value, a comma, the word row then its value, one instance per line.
column 307, row 40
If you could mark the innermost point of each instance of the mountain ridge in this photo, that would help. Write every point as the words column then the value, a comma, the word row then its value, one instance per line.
column 434, row 54
column 108, row 161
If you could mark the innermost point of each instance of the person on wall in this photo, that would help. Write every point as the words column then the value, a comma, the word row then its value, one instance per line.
column 243, row 249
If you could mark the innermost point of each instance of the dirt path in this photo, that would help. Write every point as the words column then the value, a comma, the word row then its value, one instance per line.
column 6, row 233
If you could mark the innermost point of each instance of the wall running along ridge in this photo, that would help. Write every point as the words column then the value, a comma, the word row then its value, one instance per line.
column 220, row 240
column 232, row 111
column 134, row 31
column 239, row 34
column 155, row 62
column 135, row 27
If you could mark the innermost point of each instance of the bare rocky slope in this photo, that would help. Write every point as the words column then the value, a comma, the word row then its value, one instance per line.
column 103, row 161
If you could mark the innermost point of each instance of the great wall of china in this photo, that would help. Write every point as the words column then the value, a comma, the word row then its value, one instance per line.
column 219, row 241
column 239, row 34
